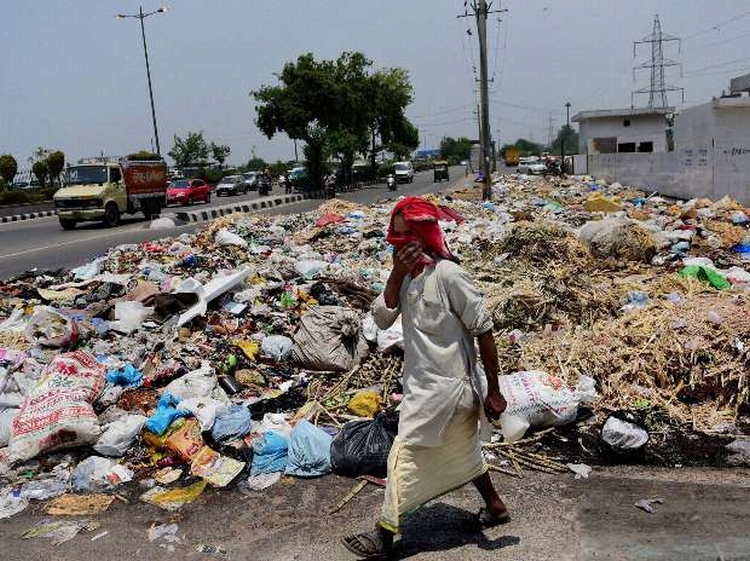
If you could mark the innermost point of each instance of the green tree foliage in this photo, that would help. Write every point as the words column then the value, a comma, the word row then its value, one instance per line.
column 455, row 149
column 190, row 151
column 524, row 147
column 220, row 152
column 571, row 141
column 8, row 168
column 41, row 170
column 256, row 164
column 144, row 155
column 55, row 164
column 336, row 107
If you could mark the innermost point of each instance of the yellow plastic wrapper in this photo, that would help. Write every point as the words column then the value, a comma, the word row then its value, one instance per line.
column 249, row 348
column 365, row 404
column 600, row 203
column 174, row 498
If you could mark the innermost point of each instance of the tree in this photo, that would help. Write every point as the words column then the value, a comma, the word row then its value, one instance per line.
column 55, row 164
column 193, row 150
column 571, row 141
column 392, row 93
column 220, row 153
column 455, row 149
column 41, row 171
column 336, row 107
column 8, row 168
column 526, row 147
column 144, row 155
column 256, row 164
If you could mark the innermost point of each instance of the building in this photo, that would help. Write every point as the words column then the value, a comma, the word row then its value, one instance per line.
column 614, row 131
column 721, row 125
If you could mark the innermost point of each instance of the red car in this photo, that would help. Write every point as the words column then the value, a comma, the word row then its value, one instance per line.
column 188, row 191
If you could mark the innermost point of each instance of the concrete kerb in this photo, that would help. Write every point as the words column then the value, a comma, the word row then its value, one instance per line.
column 27, row 216
column 246, row 206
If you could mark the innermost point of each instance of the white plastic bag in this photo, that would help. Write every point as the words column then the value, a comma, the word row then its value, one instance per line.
column 538, row 399
column 119, row 436
column 196, row 384
column 129, row 316
column 623, row 435
column 309, row 268
column 277, row 347
column 99, row 474
column 225, row 237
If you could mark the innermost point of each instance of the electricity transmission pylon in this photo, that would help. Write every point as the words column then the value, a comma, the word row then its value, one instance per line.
column 657, row 91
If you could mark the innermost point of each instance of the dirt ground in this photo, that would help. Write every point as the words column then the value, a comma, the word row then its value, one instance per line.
column 555, row 517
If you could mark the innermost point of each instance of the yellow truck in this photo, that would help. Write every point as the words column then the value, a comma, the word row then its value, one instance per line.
column 105, row 190
column 512, row 156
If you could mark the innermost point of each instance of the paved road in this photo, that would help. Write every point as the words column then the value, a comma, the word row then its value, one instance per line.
column 43, row 244
column 555, row 518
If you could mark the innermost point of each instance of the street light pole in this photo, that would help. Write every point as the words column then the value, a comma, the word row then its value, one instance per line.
column 562, row 137
column 141, row 16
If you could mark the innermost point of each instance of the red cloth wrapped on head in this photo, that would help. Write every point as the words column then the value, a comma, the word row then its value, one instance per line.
column 421, row 217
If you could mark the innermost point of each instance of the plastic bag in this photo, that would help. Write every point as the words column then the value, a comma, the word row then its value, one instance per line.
column 203, row 408
column 50, row 328
column 198, row 383
column 165, row 414
column 129, row 316
column 330, row 338
column 225, row 237
column 277, row 347
column 6, row 424
column 623, row 433
column 99, row 474
column 270, row 453
column 276, row 422
column 619, row 238
column 538, row 399
column 128, row 377
column 309, row 451
column 309, row 268
column 57, row 413
column 231, row 422
column 362, row 447
column 119, row 436
column 365, row 404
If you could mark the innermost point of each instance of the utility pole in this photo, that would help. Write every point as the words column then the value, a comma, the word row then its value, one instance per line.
column 658, row 88
column 481, row 9
column 484, row 92
column 562, row 137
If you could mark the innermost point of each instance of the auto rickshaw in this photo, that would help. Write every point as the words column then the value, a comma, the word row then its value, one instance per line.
column 441, row 171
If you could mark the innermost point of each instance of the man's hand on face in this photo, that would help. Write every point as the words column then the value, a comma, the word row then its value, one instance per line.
column 494, row 405
column 406, row 258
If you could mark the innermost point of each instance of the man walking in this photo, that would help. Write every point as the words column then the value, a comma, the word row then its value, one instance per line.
column 437, row 448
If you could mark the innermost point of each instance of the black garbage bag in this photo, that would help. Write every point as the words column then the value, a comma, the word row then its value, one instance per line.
column 362, row 447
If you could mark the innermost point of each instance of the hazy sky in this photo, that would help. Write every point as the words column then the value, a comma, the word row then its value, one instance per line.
column 73, row 77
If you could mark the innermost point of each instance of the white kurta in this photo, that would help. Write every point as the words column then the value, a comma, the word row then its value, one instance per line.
column 442, row 312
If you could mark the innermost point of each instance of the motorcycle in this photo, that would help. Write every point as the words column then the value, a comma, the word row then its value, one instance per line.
column 330, row 186
column 264, row 186
column 554, row 168
column 391, row 181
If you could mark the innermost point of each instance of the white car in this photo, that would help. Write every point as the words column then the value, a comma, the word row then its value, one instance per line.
column 403, row 172
column 231, row 185
column 251, row 180
column 531, row 166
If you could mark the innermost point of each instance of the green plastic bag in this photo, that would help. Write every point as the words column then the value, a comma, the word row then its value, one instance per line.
column 706, row 274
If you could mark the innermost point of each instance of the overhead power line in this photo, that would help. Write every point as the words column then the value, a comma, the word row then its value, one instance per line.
column 718, row 26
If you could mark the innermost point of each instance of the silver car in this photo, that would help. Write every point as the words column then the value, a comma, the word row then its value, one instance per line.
column 231, row 185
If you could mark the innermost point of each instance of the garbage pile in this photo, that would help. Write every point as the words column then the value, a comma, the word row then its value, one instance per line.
column 246, row 351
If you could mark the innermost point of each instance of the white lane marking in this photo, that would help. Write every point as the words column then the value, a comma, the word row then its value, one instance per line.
column 80, row 240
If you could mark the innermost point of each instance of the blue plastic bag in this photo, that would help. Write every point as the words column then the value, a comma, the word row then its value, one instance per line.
column 309, row 451
column 270, row 453
column 231, row 422
column 128, row 377
column 166, row 412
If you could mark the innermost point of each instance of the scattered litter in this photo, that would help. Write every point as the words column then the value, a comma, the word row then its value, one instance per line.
column 209, row 549
column 647, row 504
column 582, row 471
column 79, row 505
